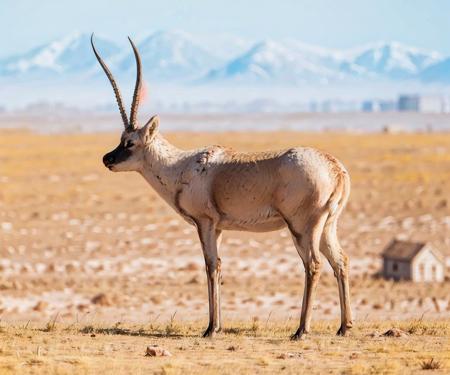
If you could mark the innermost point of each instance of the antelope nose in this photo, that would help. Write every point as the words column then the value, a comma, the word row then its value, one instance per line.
column 108, row 159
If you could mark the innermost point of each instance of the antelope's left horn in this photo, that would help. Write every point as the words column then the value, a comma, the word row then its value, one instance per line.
column 137, row 87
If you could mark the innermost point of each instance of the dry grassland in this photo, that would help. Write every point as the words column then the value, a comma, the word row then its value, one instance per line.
column 243, row 348
column 87, row 248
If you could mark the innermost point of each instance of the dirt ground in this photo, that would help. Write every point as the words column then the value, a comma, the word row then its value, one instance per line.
column 251, row 348
column 82, row 246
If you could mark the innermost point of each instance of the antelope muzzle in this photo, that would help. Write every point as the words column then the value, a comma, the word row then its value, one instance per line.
column 116, row 156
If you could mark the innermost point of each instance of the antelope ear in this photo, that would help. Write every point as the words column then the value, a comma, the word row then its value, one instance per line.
column 150, row 129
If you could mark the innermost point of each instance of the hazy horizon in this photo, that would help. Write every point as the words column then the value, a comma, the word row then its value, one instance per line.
column 316, row 51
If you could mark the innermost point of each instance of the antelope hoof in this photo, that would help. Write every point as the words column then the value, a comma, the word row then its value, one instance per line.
column 342, row 331
column 211, row 331
column 298, row 334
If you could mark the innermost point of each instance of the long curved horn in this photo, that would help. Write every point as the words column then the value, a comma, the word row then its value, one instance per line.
column 113, row 84
column 137, row 87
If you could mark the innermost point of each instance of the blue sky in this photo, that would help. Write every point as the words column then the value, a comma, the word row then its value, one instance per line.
column 329, row 23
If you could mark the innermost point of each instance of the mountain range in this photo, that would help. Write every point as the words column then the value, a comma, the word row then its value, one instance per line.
column 178, row 57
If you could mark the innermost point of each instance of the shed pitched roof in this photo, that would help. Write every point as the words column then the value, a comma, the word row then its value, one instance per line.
column 404, row 250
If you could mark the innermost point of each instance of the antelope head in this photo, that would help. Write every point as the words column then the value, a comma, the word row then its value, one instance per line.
column 129, row 154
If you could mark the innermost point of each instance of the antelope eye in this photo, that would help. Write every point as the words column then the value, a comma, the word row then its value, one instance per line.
column 129, row 144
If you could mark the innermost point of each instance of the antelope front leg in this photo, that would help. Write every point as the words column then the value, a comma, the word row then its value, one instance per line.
column 209, row 238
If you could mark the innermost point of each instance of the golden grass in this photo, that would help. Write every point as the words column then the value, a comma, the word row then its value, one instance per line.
column 408, row 160
column 242, row 348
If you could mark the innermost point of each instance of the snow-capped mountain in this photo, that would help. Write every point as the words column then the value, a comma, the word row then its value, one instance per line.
column 295, row 62
column 389, row 60
column 273, row 62
column 177, row 57
column 439, row 72
column 71, row 54
column 170, row 56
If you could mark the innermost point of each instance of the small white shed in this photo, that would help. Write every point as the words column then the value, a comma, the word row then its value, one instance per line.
column 416, row 261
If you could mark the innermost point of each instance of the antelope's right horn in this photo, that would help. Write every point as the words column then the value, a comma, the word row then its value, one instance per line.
column 137, row 87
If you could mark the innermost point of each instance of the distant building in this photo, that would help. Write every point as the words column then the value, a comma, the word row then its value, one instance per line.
column 419, row 103
column 313, row 106
column 408, row 103
column 416, row 261
column 431, row 104
column 379, row 106
column 328, row 106
column 370, row 106
column 388, row 105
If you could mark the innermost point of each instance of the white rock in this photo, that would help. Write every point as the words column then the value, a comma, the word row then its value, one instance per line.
column 7, row 226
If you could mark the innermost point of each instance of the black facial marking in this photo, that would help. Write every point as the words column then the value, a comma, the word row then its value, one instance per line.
column 117, row 156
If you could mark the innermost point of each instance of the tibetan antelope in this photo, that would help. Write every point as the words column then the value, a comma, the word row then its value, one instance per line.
column 216, row 189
